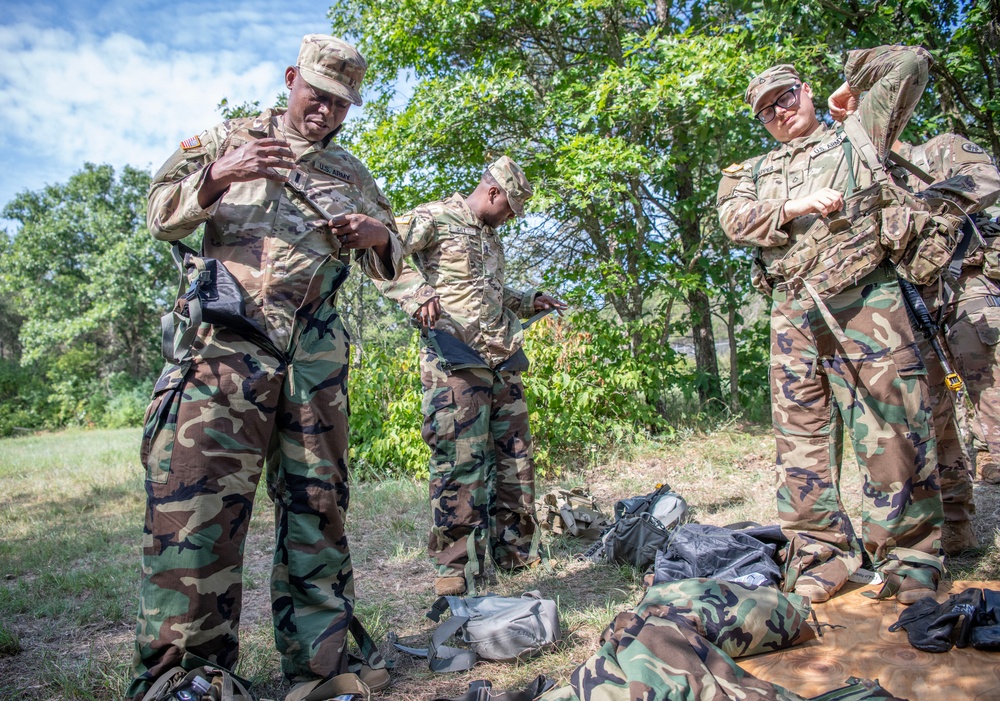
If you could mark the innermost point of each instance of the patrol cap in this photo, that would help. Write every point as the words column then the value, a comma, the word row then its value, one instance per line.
column 781, row 76
column 332, row 65
column 512, row 180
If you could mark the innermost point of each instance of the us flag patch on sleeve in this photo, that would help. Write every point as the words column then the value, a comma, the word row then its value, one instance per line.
column 188, row 144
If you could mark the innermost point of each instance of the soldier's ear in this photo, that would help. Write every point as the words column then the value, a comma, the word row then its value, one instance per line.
column 807, row 90
column 290, row 74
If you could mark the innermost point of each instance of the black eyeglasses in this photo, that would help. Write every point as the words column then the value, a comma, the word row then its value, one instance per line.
column 786, row 100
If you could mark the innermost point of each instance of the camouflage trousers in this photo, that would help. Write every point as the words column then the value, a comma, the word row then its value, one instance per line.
column 954, row 473
column 866, row 374
column 213, row 425
column 974, row 336
column 482, row 475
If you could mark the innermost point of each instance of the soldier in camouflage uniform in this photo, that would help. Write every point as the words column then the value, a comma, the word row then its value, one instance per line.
column 228, row 406
column 850, row 358
column 482, row 476
column 964, row 175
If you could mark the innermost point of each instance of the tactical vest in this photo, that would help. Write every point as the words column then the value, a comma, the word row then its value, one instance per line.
column 880, row 222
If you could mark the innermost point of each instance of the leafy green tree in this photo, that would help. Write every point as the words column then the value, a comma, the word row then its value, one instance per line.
column 621, row 112
column 85, row 275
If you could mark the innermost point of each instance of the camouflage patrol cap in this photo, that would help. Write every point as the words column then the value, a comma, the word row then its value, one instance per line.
column 512, row 180
column 781, row 76
column 332, row 65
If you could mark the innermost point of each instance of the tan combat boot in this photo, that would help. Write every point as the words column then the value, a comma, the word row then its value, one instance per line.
column 957, row 537
column 912, row 591
column 449, row 586
column 989, row 471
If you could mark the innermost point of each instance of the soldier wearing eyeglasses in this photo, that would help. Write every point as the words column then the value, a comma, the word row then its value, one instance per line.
column 851, row 358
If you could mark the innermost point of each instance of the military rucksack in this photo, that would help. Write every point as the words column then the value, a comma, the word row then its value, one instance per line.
column 494, row 627
column 572, row 512
column 642, row 527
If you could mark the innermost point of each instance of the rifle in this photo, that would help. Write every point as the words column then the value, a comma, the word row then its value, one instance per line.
column 917, row 310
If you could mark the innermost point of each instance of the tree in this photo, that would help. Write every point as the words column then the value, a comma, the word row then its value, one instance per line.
column 84, row 273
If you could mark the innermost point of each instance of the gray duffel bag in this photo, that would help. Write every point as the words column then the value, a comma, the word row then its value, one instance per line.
column 494, row 627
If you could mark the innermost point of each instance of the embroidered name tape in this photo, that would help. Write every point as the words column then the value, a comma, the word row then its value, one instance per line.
column 823, row 148
column 335, row 172
column 766, row 170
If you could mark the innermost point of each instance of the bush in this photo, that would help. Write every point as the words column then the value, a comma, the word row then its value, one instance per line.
column 385, row 396
column 590, row 387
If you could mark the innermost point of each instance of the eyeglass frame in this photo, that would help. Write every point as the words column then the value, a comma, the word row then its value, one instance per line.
column 796, row 94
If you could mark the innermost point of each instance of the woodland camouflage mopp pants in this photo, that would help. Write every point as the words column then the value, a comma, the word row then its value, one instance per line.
column 213, row 425
column 482, row 475
column 867, row 375
column 954, row 473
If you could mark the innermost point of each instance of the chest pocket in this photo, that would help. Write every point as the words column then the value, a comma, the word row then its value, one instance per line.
column 770, row 182
column 795, row 180
column 461, row 250
column 337, row 190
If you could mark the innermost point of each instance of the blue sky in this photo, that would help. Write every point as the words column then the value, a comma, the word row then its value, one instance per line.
column 124, row 82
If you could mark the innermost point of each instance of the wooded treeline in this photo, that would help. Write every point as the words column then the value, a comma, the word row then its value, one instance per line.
column 622, row 114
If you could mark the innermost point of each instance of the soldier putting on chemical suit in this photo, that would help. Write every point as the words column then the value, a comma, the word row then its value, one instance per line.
column 843, row 351
column 228, row 403
column 482, row 475
column 962, row 300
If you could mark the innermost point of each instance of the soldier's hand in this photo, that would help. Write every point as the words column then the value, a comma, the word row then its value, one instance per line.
column 842, row 102
column 822, row 202
column 428, row 313
column 359, row 231
column 261, row 158
column 544, row 301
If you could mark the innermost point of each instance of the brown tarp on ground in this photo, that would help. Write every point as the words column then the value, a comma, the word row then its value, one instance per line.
column 857, row 643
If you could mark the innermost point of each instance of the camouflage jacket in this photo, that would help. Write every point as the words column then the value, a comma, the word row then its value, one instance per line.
column 459, row 259
column 679, row 643
column 964, row 174
column 268, row 238
column 752, row 194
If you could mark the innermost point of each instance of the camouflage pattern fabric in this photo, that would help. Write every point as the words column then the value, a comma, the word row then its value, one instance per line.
column 269, row 239
column 850, row 360
column 460, row 260
column 482, row 482
column 216, row 420
column 741, row 620
column 482, row 476
column 674, row 647
column 954, row 473
column 871, row 380
column 964, row 174
column 973, row 322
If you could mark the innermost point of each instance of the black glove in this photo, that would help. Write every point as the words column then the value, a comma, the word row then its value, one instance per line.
column 986, row 631
column 934, row 627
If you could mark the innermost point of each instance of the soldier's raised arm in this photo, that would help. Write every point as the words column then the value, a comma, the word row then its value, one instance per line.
column 894, row 78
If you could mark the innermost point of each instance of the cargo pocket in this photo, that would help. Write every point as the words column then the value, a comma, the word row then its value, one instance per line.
column 159, row 427
column 438, row 430
column 988, row 326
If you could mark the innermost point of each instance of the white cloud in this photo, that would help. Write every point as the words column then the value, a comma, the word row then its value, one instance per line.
column 115, row 99
column 125, row 86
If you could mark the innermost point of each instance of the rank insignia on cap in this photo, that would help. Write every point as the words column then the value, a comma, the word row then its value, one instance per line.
column 734, row 168
column 970, row 147
column 188, row 144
